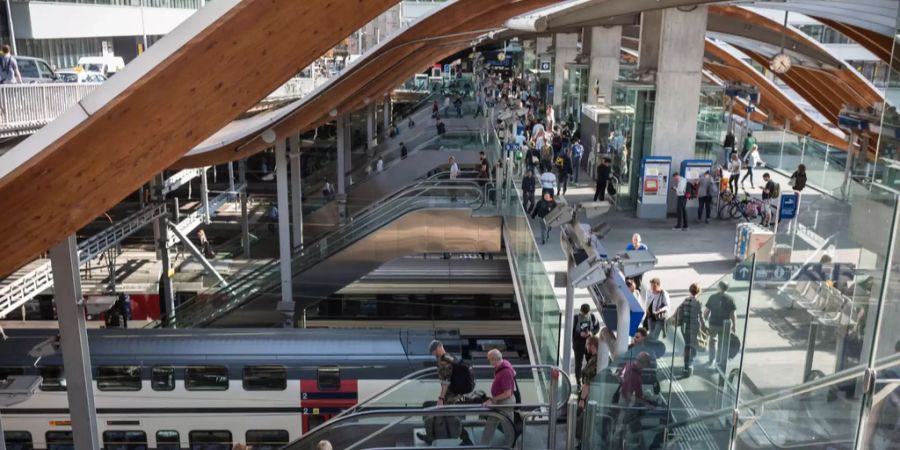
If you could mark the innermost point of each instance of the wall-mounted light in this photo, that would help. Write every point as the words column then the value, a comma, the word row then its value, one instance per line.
column 269, row 136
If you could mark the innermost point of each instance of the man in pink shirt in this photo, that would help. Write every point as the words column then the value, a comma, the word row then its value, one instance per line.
column 503, row 390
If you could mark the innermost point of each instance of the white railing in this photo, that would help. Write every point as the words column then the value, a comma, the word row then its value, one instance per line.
column 196, row 218
column 19, row 291
column 25, row 107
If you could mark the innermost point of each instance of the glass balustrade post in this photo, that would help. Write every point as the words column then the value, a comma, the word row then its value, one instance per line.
column 781, row 154
column 554, row 407
column 571, row 423
column 825, row 165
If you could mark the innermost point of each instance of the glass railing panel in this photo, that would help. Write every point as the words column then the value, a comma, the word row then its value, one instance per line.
column 454, row 427
column 823, row 417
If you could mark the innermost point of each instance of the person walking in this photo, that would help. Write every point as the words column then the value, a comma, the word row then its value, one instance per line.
column 403, row 151
column 9, row 67
column 441, row 128
column 706, row 190
column 604, row 173
column 747, row 145
column 585, row 325
column 541, row 209
column 631, row 395
column 752, row 160
column 379, row 165
column 689, row 318
column 504, row 391
column 529, row 185
column 798, row 178
column 548, row 181
column 657, row 309
column 636, row 245
column 577, row 154
column 452, row 392
column 720, row 308
column 734, row 169
column 679, row 185
column 564, row 167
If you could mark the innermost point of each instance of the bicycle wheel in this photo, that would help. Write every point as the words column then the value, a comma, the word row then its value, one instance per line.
column 722, row 213
column 734, row 211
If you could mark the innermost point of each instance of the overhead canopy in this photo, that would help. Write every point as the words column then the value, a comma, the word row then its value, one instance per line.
column 879, row 16
column 194, row 81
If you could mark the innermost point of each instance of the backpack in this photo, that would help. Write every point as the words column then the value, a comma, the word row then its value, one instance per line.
column 776, row 193
column 462, row 380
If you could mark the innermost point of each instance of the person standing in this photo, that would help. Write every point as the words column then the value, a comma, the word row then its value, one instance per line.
column 379, row 165
column 689, row 317
column 589, row 373
column 529, row 185
column 752, row 160
column 604, row 172
column 403, row 151
column 503, row 393
column 734, row 169
column 450, row 394
column 454, row 168
column 548, row 182
column 657, row 309
column 679, row 185
column 441, row 128
column 9, row 67
column 720, row 308
column 631, row 395
column 585, row 325
column 770, row 195
column 748, row 144
column 635, row 245
column 541, row 209
column 577, row 154
column 706, row 189
column 798, row 178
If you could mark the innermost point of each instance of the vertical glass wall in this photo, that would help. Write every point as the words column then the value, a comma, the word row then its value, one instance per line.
column 575, row 91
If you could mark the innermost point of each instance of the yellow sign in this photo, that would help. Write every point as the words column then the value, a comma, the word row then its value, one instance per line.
column 60, row 423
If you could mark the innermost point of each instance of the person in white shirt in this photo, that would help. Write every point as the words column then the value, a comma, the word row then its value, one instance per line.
column 379, row 166
column 752, row 160
column 548, row 181
column 679, row 185
column 454, row 169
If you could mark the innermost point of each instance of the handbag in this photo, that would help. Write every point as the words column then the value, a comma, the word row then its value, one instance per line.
column 610, row 188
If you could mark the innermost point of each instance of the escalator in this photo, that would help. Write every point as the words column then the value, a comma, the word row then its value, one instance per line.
column 432, row 215
column 397, row 416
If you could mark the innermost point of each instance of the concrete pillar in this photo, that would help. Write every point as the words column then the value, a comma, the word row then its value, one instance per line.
column 167, row 291
column 679, row 75
column 74, row 341
column 565, row 50
column 386, row 116
column 284, row 238
column 343, row 145
column 648, row 44
column 296, row 193
column 606, row 43
column 204, row 194
column 371, row 135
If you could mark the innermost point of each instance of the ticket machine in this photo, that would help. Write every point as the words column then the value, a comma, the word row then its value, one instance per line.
column 654, row 187
column 692, row 170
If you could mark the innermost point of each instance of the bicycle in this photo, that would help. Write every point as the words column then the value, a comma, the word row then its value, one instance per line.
column 747, row 208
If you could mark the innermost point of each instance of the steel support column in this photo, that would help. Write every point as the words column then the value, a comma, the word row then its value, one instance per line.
column 204, row 195
column 296, row 192
column 386, row 115
column 231, row 176
column 197, row 254
column 245, row 220
column 371, row 136
column 343, row 144
column 166, row 291
column 73, row 338
column 284, row 237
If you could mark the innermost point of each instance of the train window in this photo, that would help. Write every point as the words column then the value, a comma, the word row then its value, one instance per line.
column 168, row 440
column 59, row 440
column 119, row 378
column 124, row 440
column 329, row 378
column 267, row 439
column 162, row 378
column 265, row 378
column 53, row 378
column 210, row 440
column 206, row 378
column 9, row 371
column 18, row 440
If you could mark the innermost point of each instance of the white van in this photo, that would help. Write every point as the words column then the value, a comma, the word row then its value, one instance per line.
column 106, row 65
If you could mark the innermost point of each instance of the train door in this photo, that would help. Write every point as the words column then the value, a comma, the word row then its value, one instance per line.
column 326, row 396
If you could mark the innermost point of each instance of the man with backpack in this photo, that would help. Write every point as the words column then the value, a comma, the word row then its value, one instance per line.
column 770, row 194
column 585, row 326
column 504, row 391
column 457, row 380
column 9, row 67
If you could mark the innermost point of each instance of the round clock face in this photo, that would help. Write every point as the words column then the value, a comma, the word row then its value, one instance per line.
column 780, row 63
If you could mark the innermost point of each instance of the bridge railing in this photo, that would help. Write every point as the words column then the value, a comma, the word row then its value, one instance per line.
column 24, row 107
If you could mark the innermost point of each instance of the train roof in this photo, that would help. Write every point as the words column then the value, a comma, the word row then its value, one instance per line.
column 247, row 344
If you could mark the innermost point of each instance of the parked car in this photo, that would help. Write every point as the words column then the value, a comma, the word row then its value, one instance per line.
column 35, row 70
column 79, row 76
column 106, row 65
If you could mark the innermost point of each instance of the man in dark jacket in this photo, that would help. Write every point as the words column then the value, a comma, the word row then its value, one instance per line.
column 584, row 326
column 403, row 151
column 529, row 185
column 541, row 209
column 441, row 128
column 603, row 176
column 564, row 166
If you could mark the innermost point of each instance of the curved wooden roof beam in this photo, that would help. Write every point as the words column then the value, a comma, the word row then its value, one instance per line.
column 880, row 45
column 460, row 21
column 773, row 100
column 212, row 68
